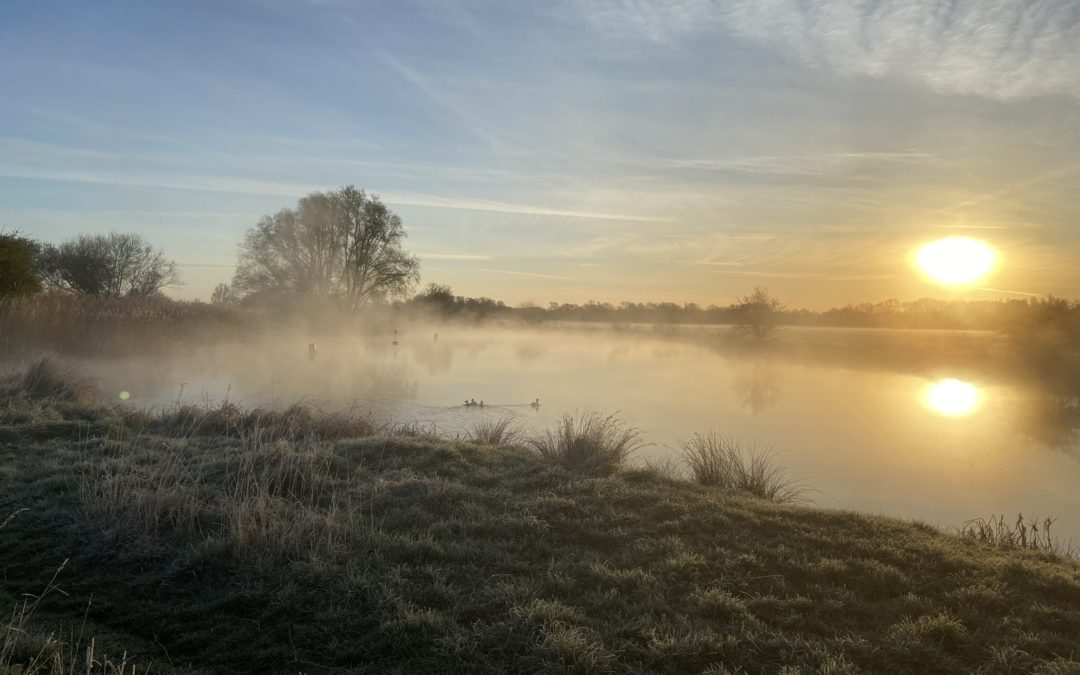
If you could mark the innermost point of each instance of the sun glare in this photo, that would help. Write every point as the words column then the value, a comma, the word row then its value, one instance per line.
column 956, row 260
column 952, row 398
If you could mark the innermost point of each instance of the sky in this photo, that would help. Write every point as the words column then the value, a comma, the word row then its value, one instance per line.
column 566, row 150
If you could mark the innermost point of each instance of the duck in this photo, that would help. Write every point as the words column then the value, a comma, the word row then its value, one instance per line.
column 536, row 404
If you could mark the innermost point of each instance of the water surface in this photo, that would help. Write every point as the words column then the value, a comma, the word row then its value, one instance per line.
column 942, row 449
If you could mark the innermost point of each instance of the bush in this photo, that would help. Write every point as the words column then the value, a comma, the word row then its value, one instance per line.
column 18, row 266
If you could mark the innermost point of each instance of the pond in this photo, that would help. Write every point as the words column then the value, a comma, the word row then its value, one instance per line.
column 942, row 449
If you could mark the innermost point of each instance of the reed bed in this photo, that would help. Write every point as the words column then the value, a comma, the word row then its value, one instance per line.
column 88, row 325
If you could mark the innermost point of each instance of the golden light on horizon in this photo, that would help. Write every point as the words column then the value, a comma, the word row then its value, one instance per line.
column 952, row 398
column 956, row 261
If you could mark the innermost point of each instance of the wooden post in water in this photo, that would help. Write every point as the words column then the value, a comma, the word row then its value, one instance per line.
column 312, row 350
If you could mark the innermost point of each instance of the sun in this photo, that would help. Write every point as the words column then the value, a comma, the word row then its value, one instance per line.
column 956, row 261
column 952, row 398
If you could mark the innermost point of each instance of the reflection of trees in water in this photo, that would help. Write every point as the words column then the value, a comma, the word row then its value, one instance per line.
column 756, row 387
column 435, row 358
column 390, row 383
column 662, row 352
column 529, row 351
column 617, row 351
column 1051, row 421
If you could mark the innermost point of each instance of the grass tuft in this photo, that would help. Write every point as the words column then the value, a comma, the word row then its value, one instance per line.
column 718, row 461
column 501, row 432
column 49, row 379
column 590, row 442
column 1027, row 533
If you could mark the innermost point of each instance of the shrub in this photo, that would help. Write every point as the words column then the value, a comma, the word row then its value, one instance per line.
column 18, row 266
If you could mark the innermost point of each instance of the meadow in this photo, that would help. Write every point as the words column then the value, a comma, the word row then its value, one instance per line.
column 221, row 539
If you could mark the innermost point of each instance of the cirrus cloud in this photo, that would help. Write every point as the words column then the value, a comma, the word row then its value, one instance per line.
column 997, row 49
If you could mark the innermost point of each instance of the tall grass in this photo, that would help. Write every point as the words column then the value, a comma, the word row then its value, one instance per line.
column 255, row 426
column 716, row 460
column 25, row 649
column 591, row 441
column 85, row 325
column 274, row 502
column 501, row 432
column 48, row 378
column 1027, row 533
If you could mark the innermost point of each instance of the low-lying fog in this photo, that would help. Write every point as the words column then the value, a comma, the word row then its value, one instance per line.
column 943, row 449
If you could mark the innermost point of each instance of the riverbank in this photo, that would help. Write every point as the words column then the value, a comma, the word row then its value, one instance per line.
column 229, row 540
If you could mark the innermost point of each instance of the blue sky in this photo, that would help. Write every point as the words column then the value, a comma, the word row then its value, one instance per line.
column 566, row 150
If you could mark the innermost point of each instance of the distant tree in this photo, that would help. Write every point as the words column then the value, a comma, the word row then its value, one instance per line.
column 343, row 245
column 437, row 293
column 439, row 297
column 19, row 274
column 757, row 314
column 530, row 312
column 1044, row 327
column 224, row 294
column 115, row 264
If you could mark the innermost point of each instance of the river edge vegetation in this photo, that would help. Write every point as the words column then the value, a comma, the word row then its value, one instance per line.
column 221, row 539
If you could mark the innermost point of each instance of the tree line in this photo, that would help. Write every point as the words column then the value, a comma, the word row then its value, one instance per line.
column 347, row 248
column 343, row 246
column 111, row 265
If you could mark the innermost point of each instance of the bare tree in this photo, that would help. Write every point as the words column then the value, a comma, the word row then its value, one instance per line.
column 223, row 294
column 758, row 313
column 344, row 245
column 115, row 264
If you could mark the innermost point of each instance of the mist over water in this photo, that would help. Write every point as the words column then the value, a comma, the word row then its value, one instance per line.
column 942, row 448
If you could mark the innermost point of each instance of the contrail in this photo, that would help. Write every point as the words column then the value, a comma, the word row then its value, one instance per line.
column 1000, row 290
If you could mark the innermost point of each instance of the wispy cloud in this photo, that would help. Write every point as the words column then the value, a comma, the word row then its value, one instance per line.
column 818, row 164
column 453, row 256
column 526, row 274
column 466, row 117
column 411, row 199
column 20, row 158
column 818, row 276
column 998, row 49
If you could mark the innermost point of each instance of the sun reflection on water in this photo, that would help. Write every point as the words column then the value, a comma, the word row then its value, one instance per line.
column 952, row 398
